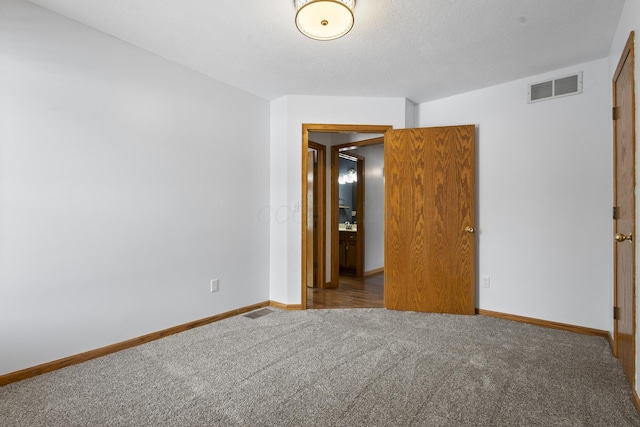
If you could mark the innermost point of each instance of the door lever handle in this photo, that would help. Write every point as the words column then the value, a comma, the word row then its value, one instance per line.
column 621, row 237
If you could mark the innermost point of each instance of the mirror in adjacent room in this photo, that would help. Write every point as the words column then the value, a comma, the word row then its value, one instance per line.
column 347, row 192
column 350, row 194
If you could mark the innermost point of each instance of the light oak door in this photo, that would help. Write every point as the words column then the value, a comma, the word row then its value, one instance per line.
column 624, row 212
column 312, row 229
column 430, row 219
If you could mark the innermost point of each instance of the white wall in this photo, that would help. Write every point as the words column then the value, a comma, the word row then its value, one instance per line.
column 120, row 174
column 630, row 21
column 287, row 116
column 411, row 114
column 126, row 183
column 544, row 194
column 374, row 206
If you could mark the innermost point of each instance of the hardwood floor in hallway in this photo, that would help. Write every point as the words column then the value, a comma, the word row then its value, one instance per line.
column 366, row 292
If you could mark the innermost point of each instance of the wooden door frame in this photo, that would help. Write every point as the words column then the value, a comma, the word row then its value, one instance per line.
column 328, row 128
column 335, row 195
column 627, row 54
column 334, row 236
column 321, row 209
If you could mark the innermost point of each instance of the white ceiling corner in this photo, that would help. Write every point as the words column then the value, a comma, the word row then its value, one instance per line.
column 418, row 49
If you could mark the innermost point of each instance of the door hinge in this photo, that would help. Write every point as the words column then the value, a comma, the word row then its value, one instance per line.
column 614, row 113
column 616, row 313
column 616, row 212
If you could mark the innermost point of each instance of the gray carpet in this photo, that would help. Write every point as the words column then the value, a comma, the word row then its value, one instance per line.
column 365, row 367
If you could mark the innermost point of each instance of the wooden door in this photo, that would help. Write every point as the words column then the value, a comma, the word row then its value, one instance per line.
column 312, row 229
column 624, row 212
column 429, row 219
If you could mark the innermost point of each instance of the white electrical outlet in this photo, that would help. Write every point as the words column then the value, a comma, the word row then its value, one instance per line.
column 215, row 285
column 486, row 281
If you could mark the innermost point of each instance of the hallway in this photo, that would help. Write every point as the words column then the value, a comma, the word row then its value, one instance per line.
column 366, row 292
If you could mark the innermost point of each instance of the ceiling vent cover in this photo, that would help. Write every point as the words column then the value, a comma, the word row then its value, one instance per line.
column 556, row 88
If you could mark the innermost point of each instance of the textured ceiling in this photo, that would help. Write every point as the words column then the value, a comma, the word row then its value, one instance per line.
column 418, row 49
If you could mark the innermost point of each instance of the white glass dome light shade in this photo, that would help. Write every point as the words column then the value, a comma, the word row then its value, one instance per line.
column 349, row 177
column 354, row 175
column 324, row 19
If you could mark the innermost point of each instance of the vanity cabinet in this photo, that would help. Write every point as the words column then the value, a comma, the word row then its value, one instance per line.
column 348, row 252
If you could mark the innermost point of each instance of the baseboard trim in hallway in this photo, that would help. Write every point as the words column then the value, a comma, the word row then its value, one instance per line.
column 374, row 271
column 282, row 306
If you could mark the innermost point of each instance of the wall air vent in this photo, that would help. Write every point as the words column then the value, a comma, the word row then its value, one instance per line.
column 556, row 88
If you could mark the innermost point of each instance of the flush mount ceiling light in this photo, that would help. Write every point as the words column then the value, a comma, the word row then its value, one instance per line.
column 324, row 19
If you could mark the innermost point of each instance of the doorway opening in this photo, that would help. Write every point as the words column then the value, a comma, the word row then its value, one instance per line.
column 316, row 205
column 312, row 250
column 348, row 209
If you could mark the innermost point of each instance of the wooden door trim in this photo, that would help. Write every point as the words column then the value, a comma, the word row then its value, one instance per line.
column 363, row 143
column 627, row 55
column 361, row 214
column 335, row 189
column 334, row 218
column 322, row 209
column 318, row 127
column 628, row 51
